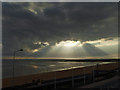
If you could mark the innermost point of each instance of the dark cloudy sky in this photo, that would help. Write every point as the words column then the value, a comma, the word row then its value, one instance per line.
column 41, row 29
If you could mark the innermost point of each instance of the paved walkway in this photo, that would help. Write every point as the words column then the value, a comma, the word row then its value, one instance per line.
column 109, row 83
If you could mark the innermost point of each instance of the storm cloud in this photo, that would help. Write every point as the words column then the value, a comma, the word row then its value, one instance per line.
column 27, row 23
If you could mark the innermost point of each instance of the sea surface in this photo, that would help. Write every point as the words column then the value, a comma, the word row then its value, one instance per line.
column 35, row 66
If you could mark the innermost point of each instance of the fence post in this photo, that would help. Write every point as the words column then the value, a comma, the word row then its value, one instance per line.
column 84, row 75
column 55, row 79
column 93, row 73
column 72, row 78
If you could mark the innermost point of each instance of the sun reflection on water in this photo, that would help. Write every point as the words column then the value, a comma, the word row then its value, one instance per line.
column 35, row 67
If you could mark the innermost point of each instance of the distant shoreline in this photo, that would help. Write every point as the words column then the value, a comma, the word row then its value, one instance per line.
column 75, row 60
column 96, row 60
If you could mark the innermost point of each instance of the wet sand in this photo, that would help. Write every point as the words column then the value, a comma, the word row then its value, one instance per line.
column 57, row 74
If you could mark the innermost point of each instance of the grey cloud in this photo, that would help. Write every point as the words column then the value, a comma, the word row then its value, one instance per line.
column 59, row 21
column 60, row 0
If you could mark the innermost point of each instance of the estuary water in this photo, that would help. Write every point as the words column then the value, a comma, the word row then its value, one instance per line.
column 35, row 66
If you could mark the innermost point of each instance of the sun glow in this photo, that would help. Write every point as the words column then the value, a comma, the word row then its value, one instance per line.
column 35, row 50
column 68, row 43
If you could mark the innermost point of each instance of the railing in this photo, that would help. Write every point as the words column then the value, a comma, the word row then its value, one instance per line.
column 87, row 76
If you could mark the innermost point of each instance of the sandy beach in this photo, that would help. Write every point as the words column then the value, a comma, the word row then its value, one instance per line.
column 57, row 75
